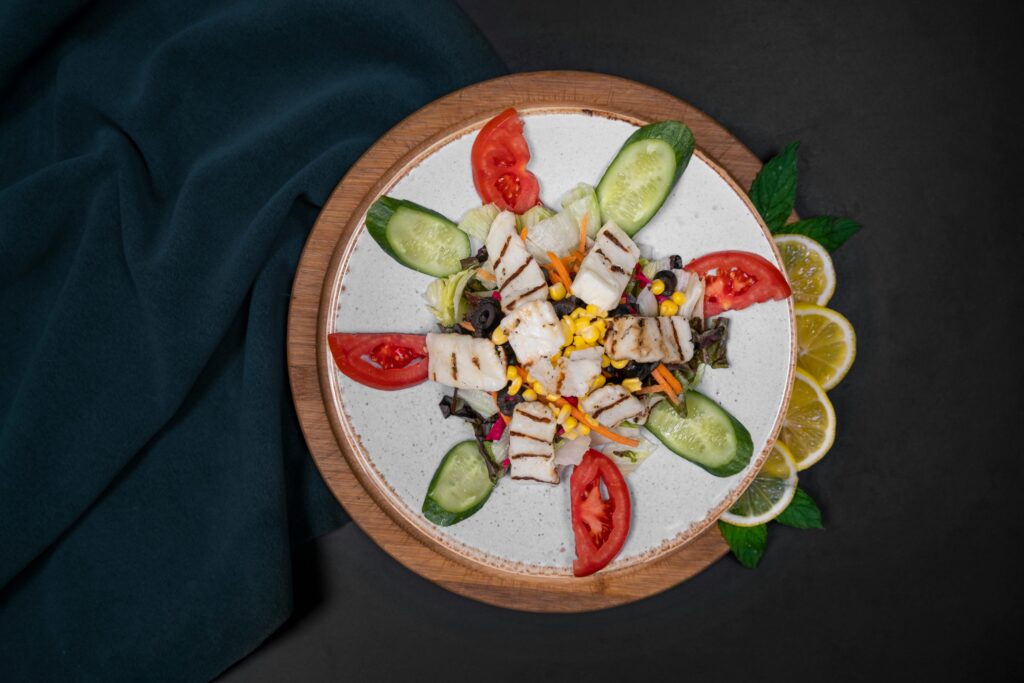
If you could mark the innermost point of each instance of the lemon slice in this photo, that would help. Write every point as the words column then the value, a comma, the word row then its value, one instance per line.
column 808, row 267
column 826, row 344
column 770, row 492
column 810, row 425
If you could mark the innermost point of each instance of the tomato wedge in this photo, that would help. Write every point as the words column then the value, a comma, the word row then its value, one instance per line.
column 500, row 154
column 599, row 524
column 740, row 279
column 381, row 361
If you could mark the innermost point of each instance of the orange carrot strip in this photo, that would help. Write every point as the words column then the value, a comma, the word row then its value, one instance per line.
column 466, row 325
column 663, row 385
column 669, row 378
column 523, row 233
column 583, row 232
column 594, row 426
column 505, row 418
column 561, row 270
column 485, row 275
column 653, row 389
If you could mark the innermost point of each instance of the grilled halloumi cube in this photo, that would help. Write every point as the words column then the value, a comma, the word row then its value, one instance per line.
column 568, row 376
column 465, row 362
column 520, row 279
column 611, row 404
column 606, row 269
column 534, row 331
column 647, row 340
column 530, row 449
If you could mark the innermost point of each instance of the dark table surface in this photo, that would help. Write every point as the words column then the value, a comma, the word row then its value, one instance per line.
column 908, row 125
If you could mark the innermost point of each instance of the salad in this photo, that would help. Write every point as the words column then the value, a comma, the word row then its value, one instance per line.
column 571, row 349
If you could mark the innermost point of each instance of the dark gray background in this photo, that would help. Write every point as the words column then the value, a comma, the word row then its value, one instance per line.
column 908, row 125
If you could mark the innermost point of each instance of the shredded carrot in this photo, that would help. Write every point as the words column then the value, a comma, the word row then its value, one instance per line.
column 560, row 268
column 653, row 389
column 525, row 231
column 466, row 325
column 595, row 426
column 665, row 387
column 669, row 378
column 485, row 275
column 505, row 418
column 583, row 232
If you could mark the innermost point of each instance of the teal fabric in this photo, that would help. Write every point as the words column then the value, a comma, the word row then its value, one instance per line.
column 161, row 164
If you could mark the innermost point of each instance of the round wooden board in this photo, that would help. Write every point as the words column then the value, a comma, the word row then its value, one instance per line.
column 420, row 131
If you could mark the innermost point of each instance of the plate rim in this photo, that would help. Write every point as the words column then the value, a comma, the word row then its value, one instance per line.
column 416, row 149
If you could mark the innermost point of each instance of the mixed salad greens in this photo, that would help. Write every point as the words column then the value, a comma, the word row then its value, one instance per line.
column 566, row 343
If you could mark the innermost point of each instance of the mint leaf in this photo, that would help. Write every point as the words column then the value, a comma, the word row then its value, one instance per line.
column 774, row 189
column 747, row 543
column 829, row 231
column 801, row 513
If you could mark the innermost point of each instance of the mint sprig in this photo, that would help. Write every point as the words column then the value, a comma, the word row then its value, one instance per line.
column 773, row 194
column 801, row 513
column 829, row 231
column 774, row 190
column 746, row 542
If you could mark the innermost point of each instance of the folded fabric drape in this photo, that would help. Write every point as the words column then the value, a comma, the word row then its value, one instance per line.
column 161, row 164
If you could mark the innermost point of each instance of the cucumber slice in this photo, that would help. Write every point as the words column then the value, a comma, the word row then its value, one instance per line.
column 708, row 436
column 461, row 485
column 417, row 237
column 639, row 179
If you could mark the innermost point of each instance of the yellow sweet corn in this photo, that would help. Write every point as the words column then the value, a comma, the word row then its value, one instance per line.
column 668, row 307
column 598, row 382
column 557, row 291
column 511, row 373
column 563, row 414
column 657, row 287
column 498, row 336
column 539, row 388
column 554, row 398
column 529, row 395
column 570, row 424
column 619, row 364
column 516, row 385
column 632, row 384
column 605, row 361
column 678, row 298
column 583, row 429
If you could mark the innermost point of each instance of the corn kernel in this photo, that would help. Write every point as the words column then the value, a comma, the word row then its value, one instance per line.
column 567, row 351
column 567, row 331
column 619, row 364
column 557, row 291
column 529, row 395
column 555, row 357
column 605, row 361
column 577, row 312
column 678, row 298
column 598, row 382
column 569, row 434
column 511, row 373
column 632, row 384
column 563, row 414
column 554, row 398
column 579, row 342
column 658, row 287
column 583, row 429
column 570, row 424
column 668, row 307
column 498, row 336
column 593, row 310
column 590, row 334
column 538, row 387
column 516, row 385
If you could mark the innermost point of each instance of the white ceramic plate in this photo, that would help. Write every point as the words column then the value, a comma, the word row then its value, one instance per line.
column 525, row 527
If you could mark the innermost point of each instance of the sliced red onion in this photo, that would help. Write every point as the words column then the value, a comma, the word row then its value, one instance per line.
column 647, row 303
column 497, row 430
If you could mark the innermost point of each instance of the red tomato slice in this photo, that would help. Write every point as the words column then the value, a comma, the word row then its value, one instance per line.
column 599, row 524
column 381, row 361
column 741, row 279
column 500, row 154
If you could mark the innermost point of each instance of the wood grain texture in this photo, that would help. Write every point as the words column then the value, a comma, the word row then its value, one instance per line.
column 333, row 230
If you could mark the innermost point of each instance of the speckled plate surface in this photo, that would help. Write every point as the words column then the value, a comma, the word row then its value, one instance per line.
column 398, row 438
